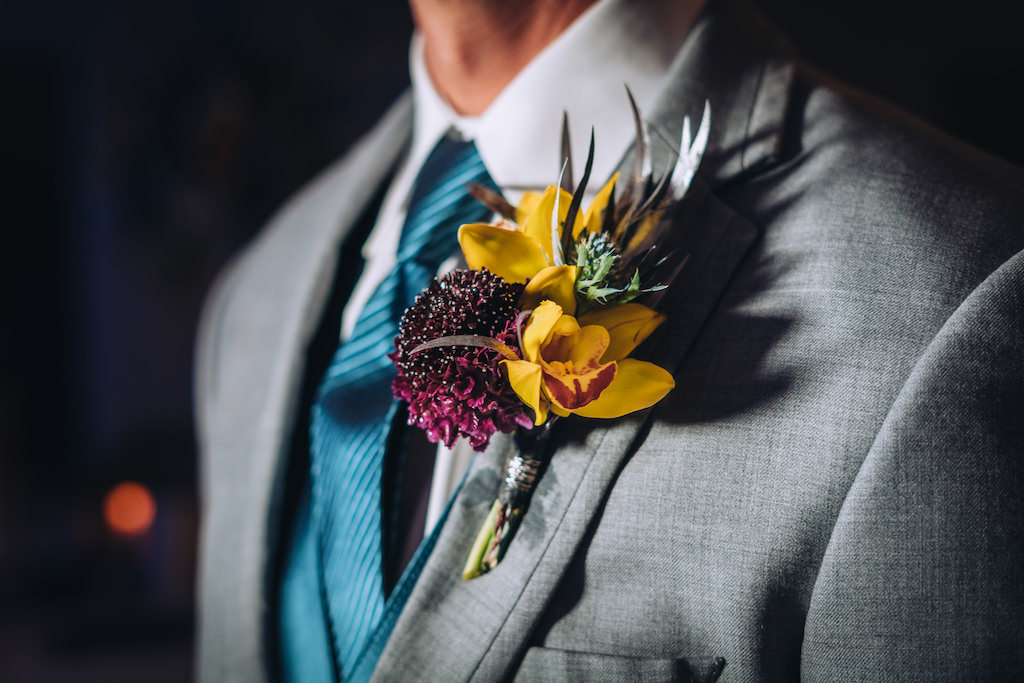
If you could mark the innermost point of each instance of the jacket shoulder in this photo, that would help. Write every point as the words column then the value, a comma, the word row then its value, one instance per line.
column 866, row 195
column 867, row 148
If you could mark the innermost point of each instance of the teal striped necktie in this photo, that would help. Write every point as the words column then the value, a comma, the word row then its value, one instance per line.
column 354, row 409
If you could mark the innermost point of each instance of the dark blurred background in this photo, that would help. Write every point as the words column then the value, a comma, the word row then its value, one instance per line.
column 143, row 143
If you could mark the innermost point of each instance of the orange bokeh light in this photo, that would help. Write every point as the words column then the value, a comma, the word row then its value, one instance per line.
column 129, row 508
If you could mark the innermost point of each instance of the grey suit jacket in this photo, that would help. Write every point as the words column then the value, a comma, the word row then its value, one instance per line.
column 833, row 489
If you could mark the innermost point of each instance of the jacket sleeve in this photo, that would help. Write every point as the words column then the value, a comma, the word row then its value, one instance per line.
column 923, row 578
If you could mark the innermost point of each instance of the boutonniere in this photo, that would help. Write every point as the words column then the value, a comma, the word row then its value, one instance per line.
column 542, row 324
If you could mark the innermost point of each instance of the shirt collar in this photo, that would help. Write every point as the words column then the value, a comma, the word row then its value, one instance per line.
column 583, row 72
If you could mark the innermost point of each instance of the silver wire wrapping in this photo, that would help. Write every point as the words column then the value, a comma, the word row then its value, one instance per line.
column 523, row 472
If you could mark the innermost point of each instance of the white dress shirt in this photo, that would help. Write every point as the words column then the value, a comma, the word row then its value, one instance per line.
column 584, row 73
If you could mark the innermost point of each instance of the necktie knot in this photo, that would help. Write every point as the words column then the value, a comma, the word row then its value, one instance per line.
column 440, row 202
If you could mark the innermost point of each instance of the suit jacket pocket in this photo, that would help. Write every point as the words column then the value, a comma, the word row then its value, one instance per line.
column 545, row 664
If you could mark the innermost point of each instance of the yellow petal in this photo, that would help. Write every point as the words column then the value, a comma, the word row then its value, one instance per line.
column 538, row 224
column 637, row 385
column 527, row 203
column 557, row 283
column 538, row 327
column 591, row 343
column 509, row 254
column 628, row 325
column 560, row 412
column 541, row 412
column 595, row 212
column 525, row 378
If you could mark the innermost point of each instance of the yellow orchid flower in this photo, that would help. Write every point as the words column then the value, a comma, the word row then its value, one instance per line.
column 524, row 252
column 569, row 368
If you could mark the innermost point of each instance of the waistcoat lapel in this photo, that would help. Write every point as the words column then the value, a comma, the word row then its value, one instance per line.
column 453, row 629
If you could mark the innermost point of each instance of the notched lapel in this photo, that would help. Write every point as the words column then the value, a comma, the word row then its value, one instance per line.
column 714, row 239
column 740, row 65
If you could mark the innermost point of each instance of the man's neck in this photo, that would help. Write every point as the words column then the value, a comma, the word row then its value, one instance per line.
column 474, row 48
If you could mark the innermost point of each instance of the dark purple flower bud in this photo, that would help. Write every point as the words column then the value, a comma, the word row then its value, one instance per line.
column 459, row 390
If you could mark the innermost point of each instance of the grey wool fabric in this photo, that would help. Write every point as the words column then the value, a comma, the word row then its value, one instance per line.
column 832, row 492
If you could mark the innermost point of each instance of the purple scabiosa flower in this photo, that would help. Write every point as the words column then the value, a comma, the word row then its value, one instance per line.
column 457, row 389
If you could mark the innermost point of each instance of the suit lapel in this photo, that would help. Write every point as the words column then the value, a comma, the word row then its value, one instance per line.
column 491, row 617
column 277, row 297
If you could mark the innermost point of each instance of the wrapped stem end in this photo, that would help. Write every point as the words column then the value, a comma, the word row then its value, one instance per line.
column 493, row 539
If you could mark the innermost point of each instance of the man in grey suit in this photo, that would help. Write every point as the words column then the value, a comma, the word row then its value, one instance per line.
column 833, row 489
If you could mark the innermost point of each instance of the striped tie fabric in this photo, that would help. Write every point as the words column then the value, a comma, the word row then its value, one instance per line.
column 354, row 409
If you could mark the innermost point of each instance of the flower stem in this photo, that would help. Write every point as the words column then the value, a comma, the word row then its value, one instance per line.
column 507, row 511
column 474, row 563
